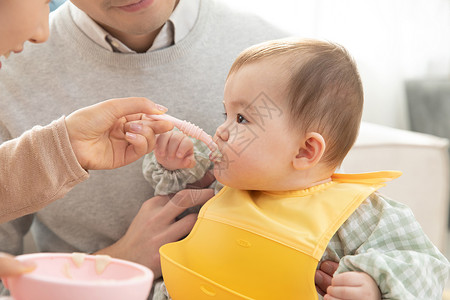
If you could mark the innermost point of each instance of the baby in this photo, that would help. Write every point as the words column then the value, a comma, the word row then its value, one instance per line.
column 293, row 110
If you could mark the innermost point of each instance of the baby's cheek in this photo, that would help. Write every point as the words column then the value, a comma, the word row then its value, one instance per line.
column 225, row 168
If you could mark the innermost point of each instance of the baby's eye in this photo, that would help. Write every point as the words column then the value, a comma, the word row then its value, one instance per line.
column 241, row 119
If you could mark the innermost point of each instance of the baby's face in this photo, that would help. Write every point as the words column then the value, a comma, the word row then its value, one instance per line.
column 255, row 139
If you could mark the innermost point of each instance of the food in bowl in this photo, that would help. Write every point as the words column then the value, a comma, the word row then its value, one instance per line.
column 80, row 276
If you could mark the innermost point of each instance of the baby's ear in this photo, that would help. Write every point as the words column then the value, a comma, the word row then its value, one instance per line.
column 310, row 151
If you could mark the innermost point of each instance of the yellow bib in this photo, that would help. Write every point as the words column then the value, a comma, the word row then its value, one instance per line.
column 263, row 245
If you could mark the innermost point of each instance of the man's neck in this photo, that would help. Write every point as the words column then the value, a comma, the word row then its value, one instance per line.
column 138, row 43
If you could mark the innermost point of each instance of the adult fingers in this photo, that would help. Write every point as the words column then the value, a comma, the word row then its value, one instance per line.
column 204, row 182
column 322, row 281
column 134, row 117
column 139, row 146
column 144, row 134
column 180, row 228
column 192, row 197
column 142, row 139
column 9, row 266
column 127, row 106
column 324, row 275
column 155, row 203
column 159, row 126
column 329, row 267
column 147, row 128
column 185, row 199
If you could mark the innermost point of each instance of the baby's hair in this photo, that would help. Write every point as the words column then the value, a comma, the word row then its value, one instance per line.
column 324, row 90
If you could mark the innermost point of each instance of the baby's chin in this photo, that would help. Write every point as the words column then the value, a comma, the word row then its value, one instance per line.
column 241, row 184
column 228, row 175
column 221, row 176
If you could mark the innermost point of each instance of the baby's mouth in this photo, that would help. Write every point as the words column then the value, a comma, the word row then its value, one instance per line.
column 216, row 156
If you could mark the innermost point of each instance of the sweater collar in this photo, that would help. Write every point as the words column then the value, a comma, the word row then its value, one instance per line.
column 174, row 30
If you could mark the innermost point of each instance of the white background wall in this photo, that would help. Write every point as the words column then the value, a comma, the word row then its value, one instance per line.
column 391, row 40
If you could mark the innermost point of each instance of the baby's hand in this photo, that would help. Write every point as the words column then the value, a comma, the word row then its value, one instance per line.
column 353, row 285
column 174, row 150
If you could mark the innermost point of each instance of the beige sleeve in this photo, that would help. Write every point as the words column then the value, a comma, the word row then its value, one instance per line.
column 35, row 169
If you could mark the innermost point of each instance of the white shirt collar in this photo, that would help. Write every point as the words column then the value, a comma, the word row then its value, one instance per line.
column 174, row 30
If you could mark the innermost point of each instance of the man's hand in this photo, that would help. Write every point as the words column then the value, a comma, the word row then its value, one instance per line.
column 156, row 224
column 324, row 275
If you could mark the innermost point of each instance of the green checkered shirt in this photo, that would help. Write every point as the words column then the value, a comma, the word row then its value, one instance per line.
column 383, row 239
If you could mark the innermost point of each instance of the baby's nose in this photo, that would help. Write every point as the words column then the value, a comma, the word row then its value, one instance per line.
column 222, row 133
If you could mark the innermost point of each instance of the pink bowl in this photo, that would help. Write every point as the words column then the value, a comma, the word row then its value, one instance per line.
column 57, row 277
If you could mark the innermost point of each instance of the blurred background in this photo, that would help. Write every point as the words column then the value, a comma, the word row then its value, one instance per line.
column 55, row 3
column 393, row 42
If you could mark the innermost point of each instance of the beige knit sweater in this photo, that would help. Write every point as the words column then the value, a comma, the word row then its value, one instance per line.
column 35, row 169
